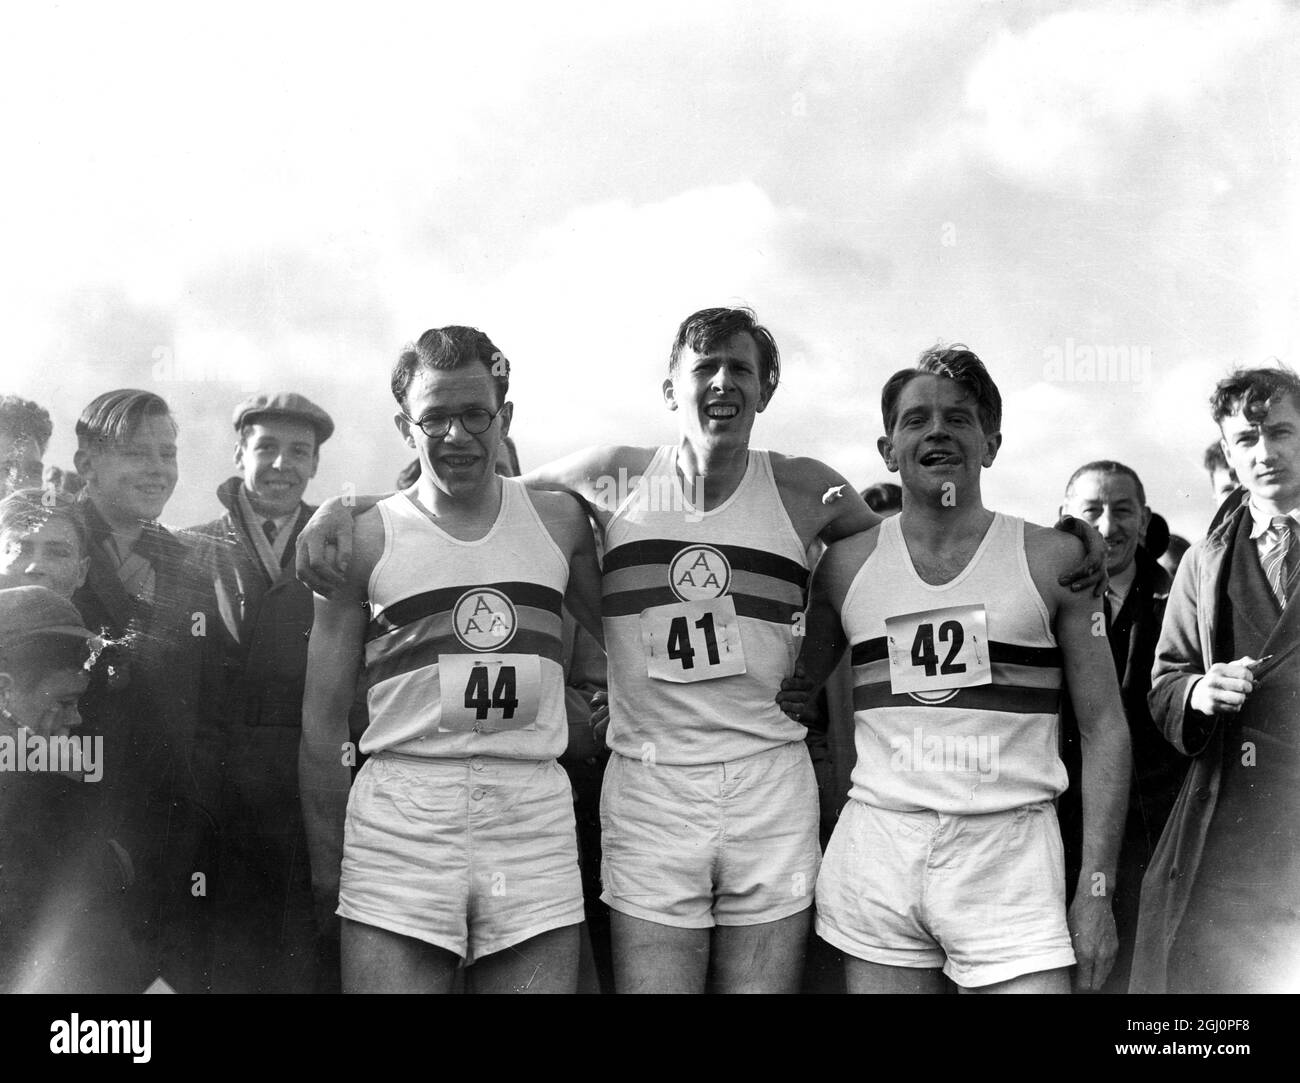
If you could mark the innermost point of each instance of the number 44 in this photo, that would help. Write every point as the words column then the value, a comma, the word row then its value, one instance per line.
column 502, row 697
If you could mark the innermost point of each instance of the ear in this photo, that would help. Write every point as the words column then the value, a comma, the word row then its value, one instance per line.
column 765, row 396
column 886, row 448
column 507, row 414
column 1146, row 522
column 670, row 396
column 315, row 463
column 992, row 443
column 83, row 567
column 404, row 427
column 239, row 454
column 81, row 462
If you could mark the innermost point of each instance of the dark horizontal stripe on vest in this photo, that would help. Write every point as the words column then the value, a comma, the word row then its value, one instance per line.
column 661, row 551
column 426, row 652
column 1014, row 699
column 627, row 603
column 441, row 600
column 1011, row 654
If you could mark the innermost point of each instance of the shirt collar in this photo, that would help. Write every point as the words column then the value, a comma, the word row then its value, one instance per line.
column 1262, row 520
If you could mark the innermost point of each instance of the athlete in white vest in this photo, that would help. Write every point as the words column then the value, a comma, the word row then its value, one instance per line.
column 709, row 808
column 459, row 840
column 947, row 858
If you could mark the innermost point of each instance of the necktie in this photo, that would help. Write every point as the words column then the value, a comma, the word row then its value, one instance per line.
column 268, row 528
column 1279, row 561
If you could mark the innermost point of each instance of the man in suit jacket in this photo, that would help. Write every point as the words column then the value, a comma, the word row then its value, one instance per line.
column 267, row 935
column 1218, row 911
column 154, row 696
column 1111, row 497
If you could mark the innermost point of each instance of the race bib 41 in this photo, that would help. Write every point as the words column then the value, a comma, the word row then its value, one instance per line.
column 692, row 641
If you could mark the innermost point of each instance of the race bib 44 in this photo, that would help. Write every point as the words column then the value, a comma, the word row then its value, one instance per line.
column 488, row 693
column 692, row 641
column 939, row 650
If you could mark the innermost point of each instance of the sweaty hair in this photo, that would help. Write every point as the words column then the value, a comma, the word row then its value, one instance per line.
column 1108, row 466
column 115, row 415
column 24, row 418
column 712, row 327
column 30, row 661
column 27, row 510
column 446, row 348
column 1251, row 392
column 957, row 363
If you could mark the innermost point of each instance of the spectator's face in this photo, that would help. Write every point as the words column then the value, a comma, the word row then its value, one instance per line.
column 47, row 555
column 132, row 480
column 20, row 462
column 49, row 707
column 1266, row 455
column 1222, row 482
column 1110, row 503
column 717, row 394
column 277, row 458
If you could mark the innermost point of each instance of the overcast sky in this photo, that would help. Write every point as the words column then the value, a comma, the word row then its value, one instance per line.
column 206, row 202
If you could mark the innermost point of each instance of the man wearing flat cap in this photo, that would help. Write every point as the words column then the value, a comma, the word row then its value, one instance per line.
column 267, row 936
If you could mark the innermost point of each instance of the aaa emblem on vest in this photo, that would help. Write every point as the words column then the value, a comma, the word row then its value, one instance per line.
column 484, row 619
column 699, row 572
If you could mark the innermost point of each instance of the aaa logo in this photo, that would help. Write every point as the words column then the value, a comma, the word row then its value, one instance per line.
column 699, row 572
column 484, row 619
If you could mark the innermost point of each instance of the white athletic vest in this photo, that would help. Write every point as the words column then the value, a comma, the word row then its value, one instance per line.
column 464, row 641
column 699, row 612
column 925, row 741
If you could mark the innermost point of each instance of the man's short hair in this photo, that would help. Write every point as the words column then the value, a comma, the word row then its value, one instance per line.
column 27, row 510
column 31, row 660
column 1108, row 466
column 956, row 362
column 883, row 496
column 445, row 348
column 115, row 415
column 1251, row 392
column 23, row 418
column 1215, row 459
column 712, row 327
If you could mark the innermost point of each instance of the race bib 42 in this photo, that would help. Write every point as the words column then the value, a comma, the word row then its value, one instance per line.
column 939, row 650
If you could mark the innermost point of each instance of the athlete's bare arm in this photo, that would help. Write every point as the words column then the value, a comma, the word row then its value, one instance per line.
column 334, row 657
column 599, row 476
column 824, row 637
column 1090, row 673
column 568, row 524
column 820, row 502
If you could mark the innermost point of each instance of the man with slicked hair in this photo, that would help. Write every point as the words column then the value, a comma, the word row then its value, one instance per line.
column 157, row 705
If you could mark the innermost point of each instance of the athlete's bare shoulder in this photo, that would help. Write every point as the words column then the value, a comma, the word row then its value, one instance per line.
column 583, row 471
column 562, row 512
column 367, row 549
column 843, row 560
column 1050, row 555
column 819, row 500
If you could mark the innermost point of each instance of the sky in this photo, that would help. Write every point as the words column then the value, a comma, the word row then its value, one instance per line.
column 1100, row 199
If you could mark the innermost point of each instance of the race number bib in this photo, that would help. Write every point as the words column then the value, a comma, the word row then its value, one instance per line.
column 488, row 693
column 692, row 641
column 939, row 650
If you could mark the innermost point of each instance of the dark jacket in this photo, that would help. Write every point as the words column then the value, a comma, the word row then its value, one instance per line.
column 156, row 696
column 1188, row 647
column 266, row 621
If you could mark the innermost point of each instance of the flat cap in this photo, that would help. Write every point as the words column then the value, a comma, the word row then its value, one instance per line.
column 34, row 611
column 284, row 404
